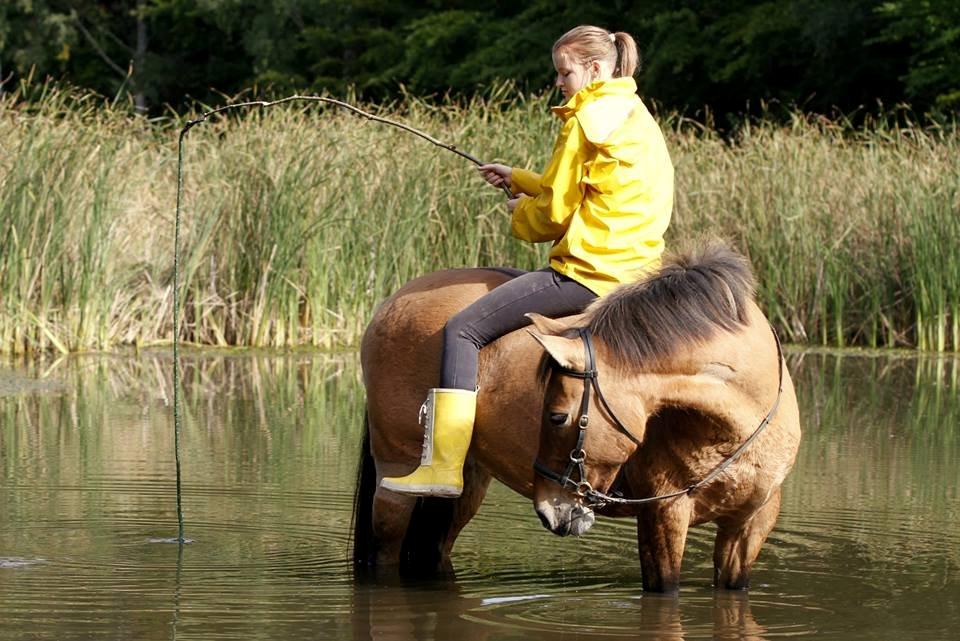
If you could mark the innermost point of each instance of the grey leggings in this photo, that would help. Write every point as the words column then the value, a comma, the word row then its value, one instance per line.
column 501, row 311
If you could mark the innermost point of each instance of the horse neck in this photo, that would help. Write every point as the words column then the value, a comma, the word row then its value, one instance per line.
column 508, row 370
column 732, row 379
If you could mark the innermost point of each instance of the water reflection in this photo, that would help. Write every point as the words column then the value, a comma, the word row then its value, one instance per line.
column 868, row 544
column 434, row 612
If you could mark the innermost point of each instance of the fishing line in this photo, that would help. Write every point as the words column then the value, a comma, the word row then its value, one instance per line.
column 177, row 419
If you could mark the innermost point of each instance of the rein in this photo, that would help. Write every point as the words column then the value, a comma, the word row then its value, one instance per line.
column 577, row 456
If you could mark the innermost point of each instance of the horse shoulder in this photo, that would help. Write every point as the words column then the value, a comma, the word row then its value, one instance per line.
column 509, row 407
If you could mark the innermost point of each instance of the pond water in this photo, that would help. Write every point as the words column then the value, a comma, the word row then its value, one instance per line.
column 867, row 546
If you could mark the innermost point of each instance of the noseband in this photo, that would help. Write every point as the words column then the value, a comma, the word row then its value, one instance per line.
column 577, row 455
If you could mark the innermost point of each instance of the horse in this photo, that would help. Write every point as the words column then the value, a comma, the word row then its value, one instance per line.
column 694, row 417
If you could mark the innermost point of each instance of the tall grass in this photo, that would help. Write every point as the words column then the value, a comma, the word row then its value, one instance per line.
column 299, row 219
column 853, row 234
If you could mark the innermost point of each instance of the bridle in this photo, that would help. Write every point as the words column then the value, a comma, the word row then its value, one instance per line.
column 582, row 487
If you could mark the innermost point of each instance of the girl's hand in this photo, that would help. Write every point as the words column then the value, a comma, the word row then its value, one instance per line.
column 496, row 174
column 512, row 204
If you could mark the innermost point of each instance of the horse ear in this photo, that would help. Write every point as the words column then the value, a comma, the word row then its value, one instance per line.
column 568, row 352
column 555, row 327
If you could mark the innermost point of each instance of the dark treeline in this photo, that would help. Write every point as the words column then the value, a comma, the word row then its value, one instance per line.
column 727, row 56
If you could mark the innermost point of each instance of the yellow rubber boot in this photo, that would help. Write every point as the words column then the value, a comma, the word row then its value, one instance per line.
column 449, row 415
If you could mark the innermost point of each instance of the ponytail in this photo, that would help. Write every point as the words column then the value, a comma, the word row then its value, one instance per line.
column 628, row 59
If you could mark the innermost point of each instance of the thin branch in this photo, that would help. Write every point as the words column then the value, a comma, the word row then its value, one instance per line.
column 112, row 36
column 349, row 107
column 96, row 45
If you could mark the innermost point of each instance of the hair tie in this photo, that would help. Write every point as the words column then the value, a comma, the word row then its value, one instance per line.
column 613, row 38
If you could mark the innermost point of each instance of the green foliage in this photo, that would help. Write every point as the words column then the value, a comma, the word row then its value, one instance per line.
column 932, row 27
column 729, row 57
column 815, row 54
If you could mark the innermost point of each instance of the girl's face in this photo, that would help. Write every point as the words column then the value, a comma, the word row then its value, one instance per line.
column 572, row 76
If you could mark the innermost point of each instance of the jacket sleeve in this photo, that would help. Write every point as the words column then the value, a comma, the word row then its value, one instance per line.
column 524, row 181
column 546, row 216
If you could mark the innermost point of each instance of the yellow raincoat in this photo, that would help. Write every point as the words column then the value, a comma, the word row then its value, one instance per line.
column 606, row 196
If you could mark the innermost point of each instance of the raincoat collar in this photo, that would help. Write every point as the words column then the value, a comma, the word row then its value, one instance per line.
column 596, row 89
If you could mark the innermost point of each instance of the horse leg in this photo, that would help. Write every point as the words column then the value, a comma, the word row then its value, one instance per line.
column 661, row 537
column 476, row 480
column 417, row 533
column 738, row 544
column 391, row 518
column 380, row 518
column 436, row 523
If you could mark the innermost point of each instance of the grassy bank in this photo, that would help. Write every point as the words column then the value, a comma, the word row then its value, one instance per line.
column 298, row 219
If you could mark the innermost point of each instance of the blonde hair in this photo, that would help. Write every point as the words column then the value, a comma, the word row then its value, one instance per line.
column 586, row 44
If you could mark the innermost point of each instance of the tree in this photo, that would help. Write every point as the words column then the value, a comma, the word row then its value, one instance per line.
column 815, row 54
column 931, row 28
column 819, row 55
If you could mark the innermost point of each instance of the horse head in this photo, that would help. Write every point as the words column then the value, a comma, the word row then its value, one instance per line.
column 666, row 341
column 576, row 464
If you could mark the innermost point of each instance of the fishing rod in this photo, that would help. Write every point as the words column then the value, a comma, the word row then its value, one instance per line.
column 176, row 240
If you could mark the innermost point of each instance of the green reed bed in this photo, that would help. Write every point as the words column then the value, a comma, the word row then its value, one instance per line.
column 852, row 234
column 299, row 219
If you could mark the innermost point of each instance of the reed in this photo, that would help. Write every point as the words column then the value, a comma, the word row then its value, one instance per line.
column 299, row 219
column 852, row 233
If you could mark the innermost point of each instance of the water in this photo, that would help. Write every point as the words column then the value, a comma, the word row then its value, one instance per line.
column 867, row 546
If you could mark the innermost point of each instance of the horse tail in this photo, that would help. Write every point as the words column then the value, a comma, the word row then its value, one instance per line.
column 364, row 552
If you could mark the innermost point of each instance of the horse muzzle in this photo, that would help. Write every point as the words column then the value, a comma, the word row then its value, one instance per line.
column 564, row 519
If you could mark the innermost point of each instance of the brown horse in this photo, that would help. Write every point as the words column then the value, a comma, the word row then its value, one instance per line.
column 684, row 409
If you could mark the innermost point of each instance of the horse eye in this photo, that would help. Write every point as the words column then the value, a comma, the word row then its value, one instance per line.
column 558, row 419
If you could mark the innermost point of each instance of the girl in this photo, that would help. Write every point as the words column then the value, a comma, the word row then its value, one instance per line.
column 604, row 201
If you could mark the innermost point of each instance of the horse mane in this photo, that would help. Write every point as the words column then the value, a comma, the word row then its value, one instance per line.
column 692, row 296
